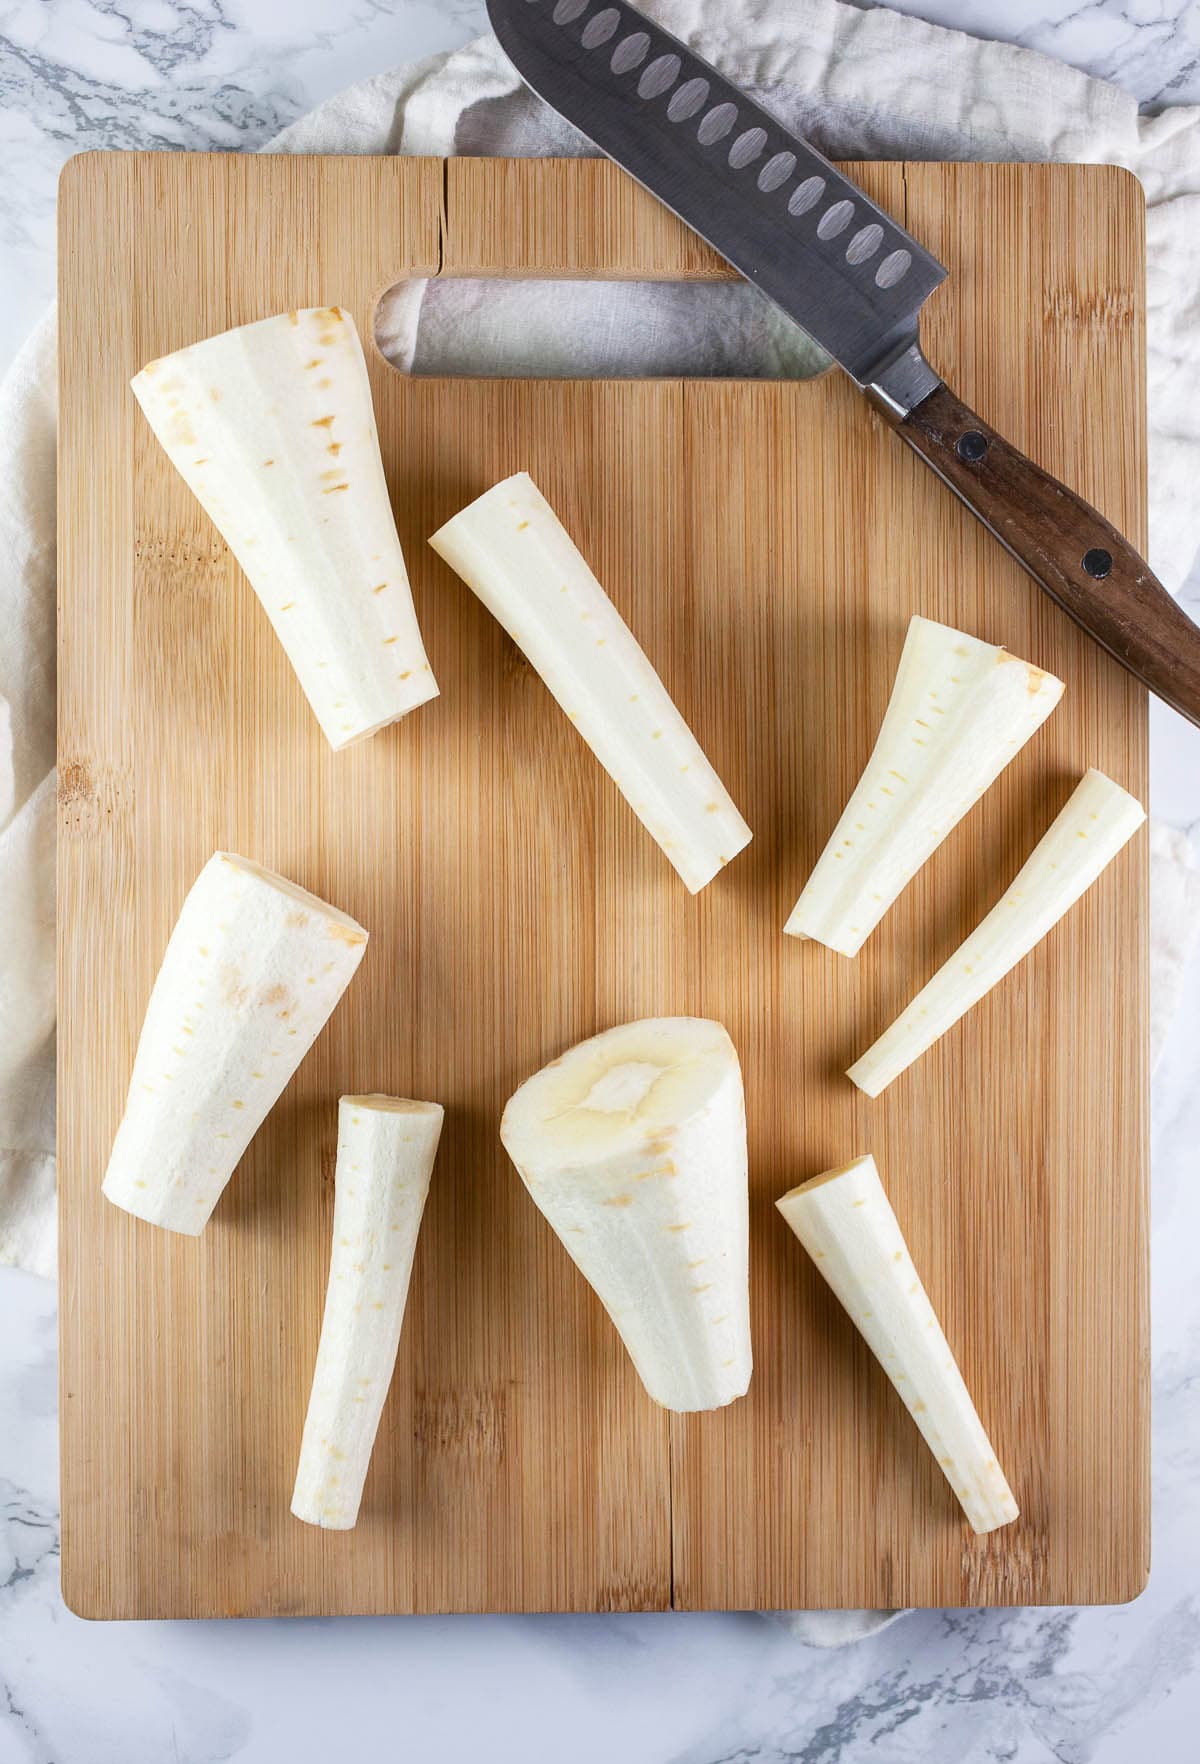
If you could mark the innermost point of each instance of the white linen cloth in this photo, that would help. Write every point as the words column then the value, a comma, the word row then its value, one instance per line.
column 859, row 84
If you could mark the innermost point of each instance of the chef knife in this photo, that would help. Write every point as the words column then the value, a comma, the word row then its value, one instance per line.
column 855, row 280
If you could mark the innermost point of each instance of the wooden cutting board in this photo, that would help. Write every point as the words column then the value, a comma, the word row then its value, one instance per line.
column 768, row 543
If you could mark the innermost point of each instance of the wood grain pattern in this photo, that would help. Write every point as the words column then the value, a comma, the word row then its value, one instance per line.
column 768, row 543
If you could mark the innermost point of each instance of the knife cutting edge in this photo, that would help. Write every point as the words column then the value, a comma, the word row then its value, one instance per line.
column 851, row 276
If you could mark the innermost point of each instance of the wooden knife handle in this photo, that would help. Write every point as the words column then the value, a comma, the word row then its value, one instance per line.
column 1077, row 556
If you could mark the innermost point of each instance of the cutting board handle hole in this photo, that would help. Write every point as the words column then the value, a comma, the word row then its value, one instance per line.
column 519, row 329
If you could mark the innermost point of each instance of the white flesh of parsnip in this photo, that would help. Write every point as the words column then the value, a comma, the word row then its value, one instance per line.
column 252, row 971
column 510, row 547
column 846, row 1223
column 386, row 1148
column 959, row 711
column 271, row 426
column 633, row 1145
column 1097, row 821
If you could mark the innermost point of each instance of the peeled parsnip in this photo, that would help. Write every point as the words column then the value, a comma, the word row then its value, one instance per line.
column 271, row 427
column 1097, row 821
column 386, row 1148
column 960, row 710
column 253, row 969
column 511, row 549
column 633, row 1145
column 845, row 1222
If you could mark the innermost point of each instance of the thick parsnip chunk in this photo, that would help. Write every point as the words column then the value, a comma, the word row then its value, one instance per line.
column 271, row 427
column 253, row 969
column 633, row 1145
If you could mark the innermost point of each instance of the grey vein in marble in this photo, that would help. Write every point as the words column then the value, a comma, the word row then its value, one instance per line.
column 203, row 75
column 1151, row 47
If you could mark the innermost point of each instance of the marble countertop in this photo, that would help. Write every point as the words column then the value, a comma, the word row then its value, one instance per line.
column 1078, row 1686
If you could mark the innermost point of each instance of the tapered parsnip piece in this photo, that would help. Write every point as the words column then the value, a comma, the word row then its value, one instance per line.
column 252, row 971
column 271, row 427
column 386, row 1148
column 510, row 547
column 846, row 1224
column 633, row 1145
column 959, row 711
column 1097, row 821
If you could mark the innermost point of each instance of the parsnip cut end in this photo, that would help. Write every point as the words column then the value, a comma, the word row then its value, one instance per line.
column 960, row 710
column 386, row 1150
column 1097, row 821
column 252, row 971
column 511, row 549
column 633, row 1145
column 846, row 1223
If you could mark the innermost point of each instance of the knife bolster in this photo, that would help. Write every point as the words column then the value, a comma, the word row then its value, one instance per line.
column 902, row 381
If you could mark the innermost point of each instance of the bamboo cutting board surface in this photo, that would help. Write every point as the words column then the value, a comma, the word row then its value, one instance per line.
column 768, row 543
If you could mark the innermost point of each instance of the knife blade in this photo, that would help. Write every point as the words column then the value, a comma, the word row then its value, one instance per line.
column 852, row 277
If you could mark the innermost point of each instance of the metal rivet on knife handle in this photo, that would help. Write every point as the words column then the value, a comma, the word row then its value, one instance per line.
column 1053, row 533
column 972, row 445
